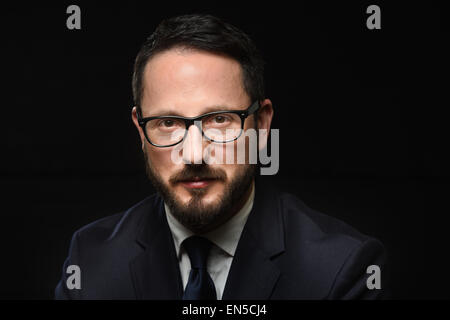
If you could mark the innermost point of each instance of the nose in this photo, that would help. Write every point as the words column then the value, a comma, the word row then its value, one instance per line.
column 193, row 145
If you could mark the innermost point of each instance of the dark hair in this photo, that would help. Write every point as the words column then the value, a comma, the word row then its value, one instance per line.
column 208, row 33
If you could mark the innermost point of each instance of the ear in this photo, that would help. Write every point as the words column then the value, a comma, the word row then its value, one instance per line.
column 139, row 129
column 265, row 114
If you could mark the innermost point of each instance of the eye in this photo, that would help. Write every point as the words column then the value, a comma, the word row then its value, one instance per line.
column 220, row 119
column 168, row 123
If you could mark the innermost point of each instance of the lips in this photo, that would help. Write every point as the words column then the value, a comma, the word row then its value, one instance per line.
column 197, row 182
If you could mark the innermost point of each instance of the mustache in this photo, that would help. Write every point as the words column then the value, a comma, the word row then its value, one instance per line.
column 198, row 172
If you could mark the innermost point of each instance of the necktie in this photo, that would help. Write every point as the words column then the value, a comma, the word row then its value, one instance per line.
column 200, row 285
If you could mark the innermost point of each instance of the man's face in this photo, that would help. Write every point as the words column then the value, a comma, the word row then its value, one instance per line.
column 190, row 83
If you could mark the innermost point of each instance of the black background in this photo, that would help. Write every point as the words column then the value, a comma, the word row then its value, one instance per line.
column 361, row 115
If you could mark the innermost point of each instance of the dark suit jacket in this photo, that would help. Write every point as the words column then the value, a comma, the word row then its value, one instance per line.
column 286, row 251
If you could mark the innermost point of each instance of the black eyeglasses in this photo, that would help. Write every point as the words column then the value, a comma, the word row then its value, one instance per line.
column 217, row 126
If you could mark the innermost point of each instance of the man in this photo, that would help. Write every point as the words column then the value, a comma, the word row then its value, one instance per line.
column 213, row 230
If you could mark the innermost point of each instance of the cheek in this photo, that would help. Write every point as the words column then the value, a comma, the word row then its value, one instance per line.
column 160, row 161
column 247, row 147
column 234, row 172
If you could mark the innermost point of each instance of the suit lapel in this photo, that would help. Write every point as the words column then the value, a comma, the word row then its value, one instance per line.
column 253, row 274
column 155, row 271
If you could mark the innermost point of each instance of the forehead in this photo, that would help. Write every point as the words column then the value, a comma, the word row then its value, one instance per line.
column 184, row 77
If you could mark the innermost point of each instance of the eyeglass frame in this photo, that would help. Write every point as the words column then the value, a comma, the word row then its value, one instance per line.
column 189, row 121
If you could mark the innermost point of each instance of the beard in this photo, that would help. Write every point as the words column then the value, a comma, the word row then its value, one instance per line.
column 195, row 214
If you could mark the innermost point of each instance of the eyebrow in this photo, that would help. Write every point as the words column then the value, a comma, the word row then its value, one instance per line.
column 208, row 109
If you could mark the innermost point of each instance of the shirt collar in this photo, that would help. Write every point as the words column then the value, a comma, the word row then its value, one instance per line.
column 226, row 236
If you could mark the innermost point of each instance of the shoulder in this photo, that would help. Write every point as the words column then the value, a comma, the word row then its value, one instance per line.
column 120, row 226
column 332, row 255
column 316, row 225
column 103, row 250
